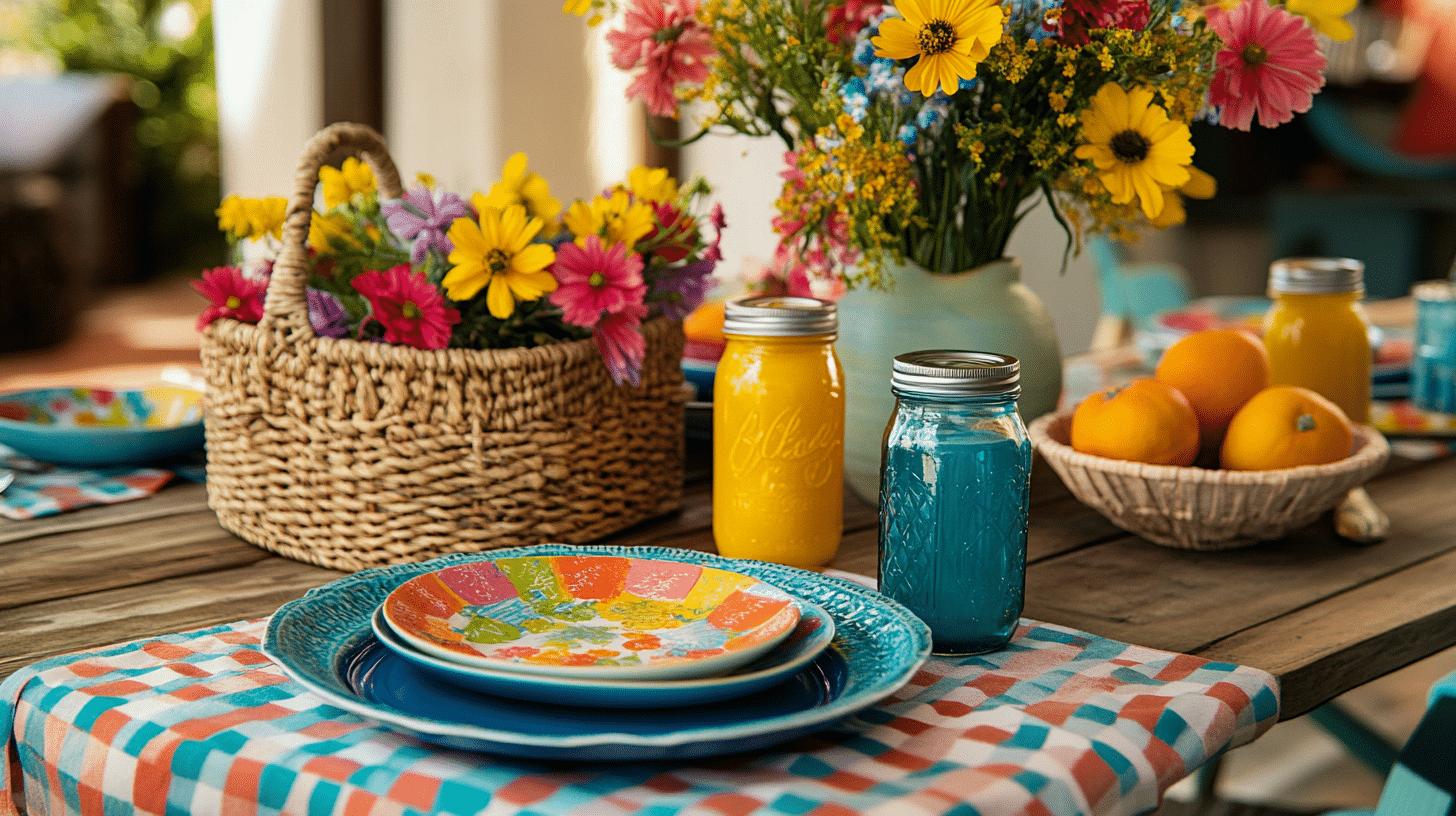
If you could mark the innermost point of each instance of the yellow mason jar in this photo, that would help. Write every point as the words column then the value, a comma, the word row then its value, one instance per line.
column 778, row 432
column 1316, row 331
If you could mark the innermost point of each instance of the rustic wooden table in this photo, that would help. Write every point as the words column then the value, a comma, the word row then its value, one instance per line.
column 1322, row 615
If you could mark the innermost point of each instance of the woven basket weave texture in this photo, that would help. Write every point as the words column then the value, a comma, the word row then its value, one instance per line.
column 1194, row 508
column 353, row 455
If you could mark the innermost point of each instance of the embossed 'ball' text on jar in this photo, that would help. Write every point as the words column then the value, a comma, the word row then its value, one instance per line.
column 778, row 432
column 954, row 496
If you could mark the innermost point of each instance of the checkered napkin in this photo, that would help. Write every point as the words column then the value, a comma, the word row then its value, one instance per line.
column 32, row 495
column 1060, row 722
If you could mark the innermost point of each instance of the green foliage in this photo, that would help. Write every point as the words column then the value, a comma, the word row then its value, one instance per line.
column 174, row 88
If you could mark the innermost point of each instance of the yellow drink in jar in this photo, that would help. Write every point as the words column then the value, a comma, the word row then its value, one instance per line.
column 1317, row 333
column 778, row 433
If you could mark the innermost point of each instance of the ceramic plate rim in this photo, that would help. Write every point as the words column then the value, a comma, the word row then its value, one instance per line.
column 648, row 688
column 844, row 705
column 684, row 668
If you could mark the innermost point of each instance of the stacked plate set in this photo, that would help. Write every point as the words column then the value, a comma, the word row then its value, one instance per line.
column 598, row 652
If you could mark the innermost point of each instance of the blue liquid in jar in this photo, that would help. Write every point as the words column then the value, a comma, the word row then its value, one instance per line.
column 953, row 519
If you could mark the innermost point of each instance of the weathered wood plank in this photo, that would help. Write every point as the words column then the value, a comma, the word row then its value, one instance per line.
column 174, row 605
column 187, row 497
column 1131, row 590
column 1351, row 638
column 85, row 561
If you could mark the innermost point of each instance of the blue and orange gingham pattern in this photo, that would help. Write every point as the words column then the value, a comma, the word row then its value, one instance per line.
column 1060, row 722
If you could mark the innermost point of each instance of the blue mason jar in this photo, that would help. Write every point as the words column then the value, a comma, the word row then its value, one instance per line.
column 954, row 492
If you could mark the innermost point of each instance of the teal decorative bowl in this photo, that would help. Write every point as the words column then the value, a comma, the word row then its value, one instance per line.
column 98, row 427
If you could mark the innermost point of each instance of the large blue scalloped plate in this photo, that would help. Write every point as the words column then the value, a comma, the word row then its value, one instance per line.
column 324, row 642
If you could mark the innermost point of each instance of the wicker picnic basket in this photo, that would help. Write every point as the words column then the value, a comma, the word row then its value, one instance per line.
column 352, row 455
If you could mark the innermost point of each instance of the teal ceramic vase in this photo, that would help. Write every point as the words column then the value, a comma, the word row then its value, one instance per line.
column 983, row 309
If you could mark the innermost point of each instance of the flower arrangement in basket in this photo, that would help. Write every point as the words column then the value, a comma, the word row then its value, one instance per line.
column 925, row 129
column 504, row 269
column 402, row 374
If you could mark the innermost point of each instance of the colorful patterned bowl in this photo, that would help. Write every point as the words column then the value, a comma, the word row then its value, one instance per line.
column 592, row 616
column 97, row 427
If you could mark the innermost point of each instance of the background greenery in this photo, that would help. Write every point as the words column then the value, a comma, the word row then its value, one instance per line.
column 166, row 47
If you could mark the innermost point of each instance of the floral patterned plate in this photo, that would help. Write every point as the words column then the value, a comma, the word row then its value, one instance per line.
column 599, row 616
column 98, row 427
column 810, row 637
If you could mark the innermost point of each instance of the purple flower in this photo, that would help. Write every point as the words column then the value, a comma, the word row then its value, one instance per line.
column 422, row 219
column 326, row 314
column 679, row 293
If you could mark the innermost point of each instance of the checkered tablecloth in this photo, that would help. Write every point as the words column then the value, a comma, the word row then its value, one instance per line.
column 1061, row 722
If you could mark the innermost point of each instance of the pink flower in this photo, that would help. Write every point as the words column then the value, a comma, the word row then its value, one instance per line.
column 664, row 38
column 593, row 280
column 845, row 20
column 231, row 295
column 788, row 274
column 673, row 235
column 412, row 311
column 619, row 338
column 1078, row 16
column 1270, row 63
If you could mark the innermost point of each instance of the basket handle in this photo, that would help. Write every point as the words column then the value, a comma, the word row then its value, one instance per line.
column 285, row 306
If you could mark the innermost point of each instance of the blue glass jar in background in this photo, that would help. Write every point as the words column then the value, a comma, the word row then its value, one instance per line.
column 954, row 492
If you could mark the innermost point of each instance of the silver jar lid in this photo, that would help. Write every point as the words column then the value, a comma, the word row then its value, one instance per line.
column 1316, row 276
column 1434, row 290
column 780, row 316
column 949, row 373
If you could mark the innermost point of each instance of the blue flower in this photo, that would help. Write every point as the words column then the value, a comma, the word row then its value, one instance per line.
column 885, row 77
column 864, row 51
column 933, row 113
column 856, row 103
column 907, row 134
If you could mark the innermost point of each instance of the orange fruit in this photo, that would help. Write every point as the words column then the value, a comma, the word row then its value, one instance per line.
column 1218, row 371
column 1286, row 426
column 1146, row 420
column 705, row 323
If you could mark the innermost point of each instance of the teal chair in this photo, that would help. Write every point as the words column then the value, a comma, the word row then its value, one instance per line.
column 1132, row 293
column 1422, row 781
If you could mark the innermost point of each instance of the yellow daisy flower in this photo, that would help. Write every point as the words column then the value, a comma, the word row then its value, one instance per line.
column 498, row 253
column 652, row 184
column 1199, row 185
column 1327, row 16
column 618, row 219
column 341, row 184
column 232, row 215
column 526, row 189
column 265, row 216
column 949, row 36
column 1137, row 150
column 325, row 232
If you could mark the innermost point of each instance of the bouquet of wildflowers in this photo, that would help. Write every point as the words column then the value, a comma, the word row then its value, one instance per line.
column 926, row 129
column 506, row 269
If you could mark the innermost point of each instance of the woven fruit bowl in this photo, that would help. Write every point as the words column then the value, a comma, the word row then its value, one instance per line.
column 1195, row 508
